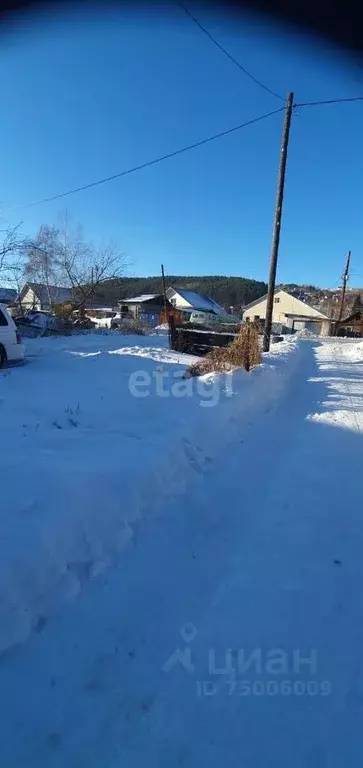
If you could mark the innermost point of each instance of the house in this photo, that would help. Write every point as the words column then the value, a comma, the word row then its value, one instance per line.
column 189, row 301
column 146, row 308
column 351, row 325
column 41, row 296
column 183, row 299
column 149, row 308
column 289, row 312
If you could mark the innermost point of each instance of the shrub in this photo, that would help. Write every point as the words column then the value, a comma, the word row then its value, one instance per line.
column 243, row 352
column 63, row 310
column 130, row 326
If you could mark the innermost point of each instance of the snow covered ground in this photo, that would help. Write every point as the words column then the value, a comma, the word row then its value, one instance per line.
column 180, row 572
column 97, row 430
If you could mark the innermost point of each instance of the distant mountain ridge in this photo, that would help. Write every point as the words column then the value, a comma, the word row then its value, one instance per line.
column 229, row 292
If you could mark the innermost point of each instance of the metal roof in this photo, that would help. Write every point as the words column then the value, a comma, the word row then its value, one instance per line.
column 309, row 318
column 140, row 299
column 199, row 301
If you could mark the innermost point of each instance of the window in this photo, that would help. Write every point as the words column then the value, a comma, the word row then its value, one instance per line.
column 3, row 320
column 277, row 300
column 173, row 302
column 256, row 318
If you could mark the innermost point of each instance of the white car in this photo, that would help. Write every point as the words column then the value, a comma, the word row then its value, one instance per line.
column 11, row 347
column 204, row 318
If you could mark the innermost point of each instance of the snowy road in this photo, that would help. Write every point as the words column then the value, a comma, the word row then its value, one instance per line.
column 230, row 633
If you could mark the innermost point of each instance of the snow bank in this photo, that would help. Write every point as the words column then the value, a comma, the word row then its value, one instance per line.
column 347, row 349
column 100, row 322
column 88, row 454
column 341, row 362
column 162, row 328
column 304, row 333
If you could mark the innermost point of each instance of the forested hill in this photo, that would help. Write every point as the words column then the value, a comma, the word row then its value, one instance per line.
column 227, row 291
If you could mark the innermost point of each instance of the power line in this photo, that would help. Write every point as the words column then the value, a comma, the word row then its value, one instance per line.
column 229, row 56
column 178, row 152
column 328, row 101
column 252, row 77
column 148, row 163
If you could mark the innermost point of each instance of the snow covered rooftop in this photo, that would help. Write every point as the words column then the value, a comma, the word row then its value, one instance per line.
column 140, row 299
column 200, row 301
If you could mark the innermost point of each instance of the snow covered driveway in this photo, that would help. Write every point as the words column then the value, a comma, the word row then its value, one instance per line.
column 229, row 631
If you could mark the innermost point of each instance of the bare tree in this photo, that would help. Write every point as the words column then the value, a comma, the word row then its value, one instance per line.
column 11, row 240
column 60, row 256
column 12, row 244
column 41, row 261
column 357, row 303
column 15, row 275
column 84, row 266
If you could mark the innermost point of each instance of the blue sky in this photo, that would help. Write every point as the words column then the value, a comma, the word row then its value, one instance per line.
column 87, row 95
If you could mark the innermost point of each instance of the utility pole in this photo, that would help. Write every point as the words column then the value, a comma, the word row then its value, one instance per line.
column 277, row 222
column 164, row 292
column 345, row 278
column 165, row 302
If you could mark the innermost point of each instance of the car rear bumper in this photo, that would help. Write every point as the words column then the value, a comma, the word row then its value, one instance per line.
column 15, row 352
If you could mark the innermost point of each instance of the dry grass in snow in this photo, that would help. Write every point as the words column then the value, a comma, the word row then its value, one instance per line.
column 243, row 352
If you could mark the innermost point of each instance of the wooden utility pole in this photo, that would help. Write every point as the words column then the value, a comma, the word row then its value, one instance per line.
column 345, row 278
column 165, row 302
column 277, row 222
column 247, row 348
column 164, row 287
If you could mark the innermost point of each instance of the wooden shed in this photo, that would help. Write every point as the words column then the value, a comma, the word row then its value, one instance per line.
column 351, row 326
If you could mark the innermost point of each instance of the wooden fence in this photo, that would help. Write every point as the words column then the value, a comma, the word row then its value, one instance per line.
column 200, row 341
column 197, row 341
